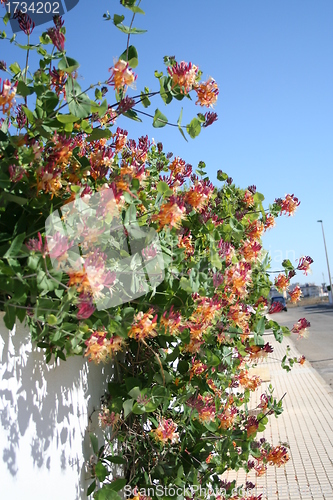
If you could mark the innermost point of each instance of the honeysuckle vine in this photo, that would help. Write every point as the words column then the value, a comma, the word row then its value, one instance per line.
column 148, row 265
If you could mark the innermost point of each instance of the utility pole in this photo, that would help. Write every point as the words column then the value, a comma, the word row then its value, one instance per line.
column 330, row 295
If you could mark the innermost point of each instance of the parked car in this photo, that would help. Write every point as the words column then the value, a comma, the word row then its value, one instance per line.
column 281, row 300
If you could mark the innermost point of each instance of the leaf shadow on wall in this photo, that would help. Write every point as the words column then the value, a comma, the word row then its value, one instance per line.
column 46, row 407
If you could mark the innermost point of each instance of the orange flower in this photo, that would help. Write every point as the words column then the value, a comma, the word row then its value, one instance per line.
column 7, row 95
column 109, row 117
column 255, row 229
column 205, row 406
column 281, row 282
column 58, row 80
column 227, row 418
column 213, row 386
column 194, row 345
column 301, row 360
column 295, row 294
column 186, row 243
column 121, row 75
column 172, row 322
column 183, row 74
column 304, row 264
column 120, row 139
column 143, row 326
column 166, row 431
column 239, row 317
column 171, row 214
column 249, row 382
column 199, row 195
column 100, row 348
column 206, row 310
column 248, row 198
column 178, row 166
column 278, row 456
column 207, row 93
column 250, row 250
column 256, row 353
column 270, row 222
column 107, row 418
column 197, row 368
column 49, row 182
column 301, row 328
column 289, row 204
column 260, row 469
column 237, row 278
column 252, row 426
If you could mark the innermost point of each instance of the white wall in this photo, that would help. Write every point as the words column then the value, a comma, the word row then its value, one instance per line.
column 44, row 422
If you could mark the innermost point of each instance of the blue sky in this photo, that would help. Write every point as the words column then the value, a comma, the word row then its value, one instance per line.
column 272, row 60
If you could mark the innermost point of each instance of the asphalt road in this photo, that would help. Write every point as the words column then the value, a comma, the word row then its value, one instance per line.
column 318, row 347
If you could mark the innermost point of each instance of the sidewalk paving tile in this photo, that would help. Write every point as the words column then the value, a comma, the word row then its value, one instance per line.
column 306, row 424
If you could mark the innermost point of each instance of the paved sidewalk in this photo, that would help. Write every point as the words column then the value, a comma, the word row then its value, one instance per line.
column 306, row 425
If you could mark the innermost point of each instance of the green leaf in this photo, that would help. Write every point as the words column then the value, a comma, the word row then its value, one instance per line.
column 86, row 127
column 163, row 188
column 101, row 471
column 60, row 354
column 99, row 133
column 260, row 326
column 6, row 18
column 52, row 320
column 131, row 56
column 68, row 64
column 185, row 284
column 80, row 106
column 4, row 181
column 258, row 197
column 9, row 317
column 68, row 127
column 258, row 339
column 28, row 114
column 94, row 442
column 13, row 198
column 67, row 118
column 50, row 101
column 144, row 99
column 117, row 484
column 128, row 405
column 183, row 366
column 130, row 31
column 132, row 115
column 116, row 460
column 211, row 358
column 159, row 120
column 101, row 109
column 15, row 68
column 193, row 128
column 215, row 260
column 222, row 176
column 134, row 8
column 287, row 264
column 236, row 225
column 118, row 19
column 179, row 121
column 16, row 245
column 106, row 493
column 135, row 392
column 23, row 89
column 91, row 488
